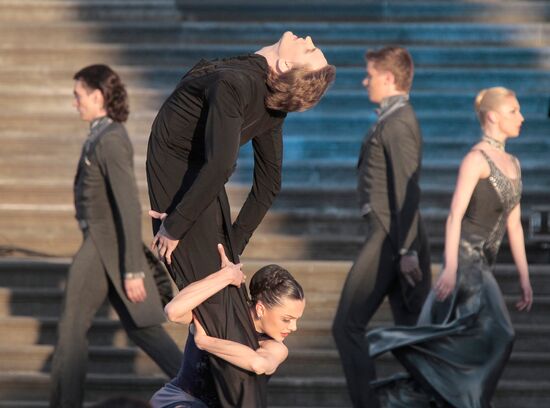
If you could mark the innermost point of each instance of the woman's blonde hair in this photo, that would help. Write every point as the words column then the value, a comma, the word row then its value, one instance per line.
column 489, row 99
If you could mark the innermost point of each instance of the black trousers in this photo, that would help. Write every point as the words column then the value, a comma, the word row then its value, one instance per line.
column 87, row 288
column 373, row 276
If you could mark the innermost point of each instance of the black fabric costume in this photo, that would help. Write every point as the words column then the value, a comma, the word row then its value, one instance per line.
column 217, row 107
column 194, row 385
column 457, row 352
column 389, row 194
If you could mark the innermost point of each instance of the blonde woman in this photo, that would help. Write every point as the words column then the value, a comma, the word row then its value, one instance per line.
column 457, row 352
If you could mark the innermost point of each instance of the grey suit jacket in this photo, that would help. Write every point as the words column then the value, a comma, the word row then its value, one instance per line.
column 389, row 169
column 107, row 203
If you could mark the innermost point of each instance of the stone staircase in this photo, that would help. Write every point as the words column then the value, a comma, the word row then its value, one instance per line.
column 30, row 302
column 314, row 229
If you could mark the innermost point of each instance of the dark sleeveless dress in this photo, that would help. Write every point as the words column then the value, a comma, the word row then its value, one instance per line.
column 457, row 352
column 194, row 385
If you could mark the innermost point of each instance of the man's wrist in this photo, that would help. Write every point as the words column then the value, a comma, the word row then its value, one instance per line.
column 134, row 275
column 164, row 232
column 407, row 252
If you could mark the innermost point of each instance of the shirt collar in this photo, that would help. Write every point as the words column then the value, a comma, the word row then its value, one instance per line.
column 390, row 101
column 94, row 123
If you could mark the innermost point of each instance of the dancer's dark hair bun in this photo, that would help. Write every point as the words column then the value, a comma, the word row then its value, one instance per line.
column 272, row 283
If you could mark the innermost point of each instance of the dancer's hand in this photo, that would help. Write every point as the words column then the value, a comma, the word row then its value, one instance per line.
column 237, row 275
column 445, row 284
column 410, row 268
column 135, row 290
column 526, row 296
column 163, row 242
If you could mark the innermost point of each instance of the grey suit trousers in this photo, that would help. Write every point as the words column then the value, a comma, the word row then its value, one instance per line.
column 87, row 287
column 373, row 276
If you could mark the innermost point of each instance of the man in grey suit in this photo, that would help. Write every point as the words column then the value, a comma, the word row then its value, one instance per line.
column 111, row 261
column 395, row 259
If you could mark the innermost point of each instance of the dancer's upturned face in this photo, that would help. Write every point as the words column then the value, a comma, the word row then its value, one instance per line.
column 298, row 51
column 280, row 320
column 509, row 117
column 88, row 103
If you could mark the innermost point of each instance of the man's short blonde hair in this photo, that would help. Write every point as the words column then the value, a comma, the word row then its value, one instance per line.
column 396, row 60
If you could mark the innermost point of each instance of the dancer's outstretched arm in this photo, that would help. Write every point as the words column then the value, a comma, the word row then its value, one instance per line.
column 264, row 360
column 517, row 245
column 473, row 167
column 179, row 310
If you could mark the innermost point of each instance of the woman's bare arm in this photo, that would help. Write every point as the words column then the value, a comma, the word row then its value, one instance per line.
column 179, row 310
column 517, row 246
column 473, row 167
column 264, row 360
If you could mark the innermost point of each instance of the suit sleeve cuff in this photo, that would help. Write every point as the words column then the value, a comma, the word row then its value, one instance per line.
column 176, row 225
column 134, row 275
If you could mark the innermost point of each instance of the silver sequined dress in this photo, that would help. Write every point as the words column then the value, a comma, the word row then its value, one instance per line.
column 455, row 355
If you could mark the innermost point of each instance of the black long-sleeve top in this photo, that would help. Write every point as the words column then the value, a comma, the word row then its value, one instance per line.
column 217, row 107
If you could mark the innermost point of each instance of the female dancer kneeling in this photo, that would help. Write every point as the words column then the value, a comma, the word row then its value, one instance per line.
column 277, row 302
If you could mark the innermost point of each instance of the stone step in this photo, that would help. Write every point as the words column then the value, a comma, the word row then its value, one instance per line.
column 56, row 225
column 283, row 391
column 300, row 363
column 333, row 247
column 300, row 151
column 44, row 100
column 314, row 155
column 323, row 276
column 321, row 235
column 295, row 197
column 529, row 366
column 370, row 10
column 444, row 78
column 365, row 33
column 315, row 276
column 310, row 151
column 44, row 404
column 439, row 170
column 298, row 171
column 20, row 403
column 323, row 306
column 312, row 333
column 28, row 331
column 448, row 125
column 46, row 302
column 318, row 335
column 25, row 330
column 97, row 10
column 331, row 391
column 101, row 359
column 264, row 245
column 74, row 56
column 433, row 174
